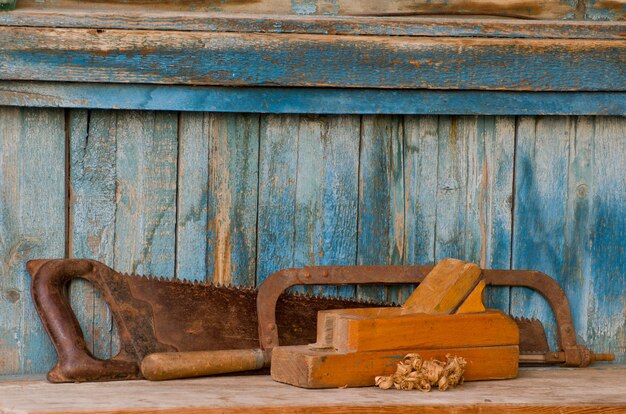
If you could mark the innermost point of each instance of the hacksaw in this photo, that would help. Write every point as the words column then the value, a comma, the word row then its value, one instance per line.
column 156, row 315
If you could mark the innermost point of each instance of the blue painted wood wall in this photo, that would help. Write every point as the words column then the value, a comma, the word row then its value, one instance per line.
column 233, row 197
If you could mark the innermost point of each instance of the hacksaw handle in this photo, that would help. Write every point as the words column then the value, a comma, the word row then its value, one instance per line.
column 163, row 366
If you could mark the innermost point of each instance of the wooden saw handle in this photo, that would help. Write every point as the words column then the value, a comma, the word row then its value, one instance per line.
column 163, row 366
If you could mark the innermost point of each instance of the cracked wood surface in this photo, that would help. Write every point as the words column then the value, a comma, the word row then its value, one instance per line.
column 229, row 59
column 346, row 25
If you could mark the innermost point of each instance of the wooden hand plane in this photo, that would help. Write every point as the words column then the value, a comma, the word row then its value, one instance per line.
column 444, row 315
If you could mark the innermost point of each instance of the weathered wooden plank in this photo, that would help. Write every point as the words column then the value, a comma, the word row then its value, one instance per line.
column 327, row 194
column 470, row 215
column 603, row 284
column 308, row 100
column 490, row 199
column 277, row 194
column 192, row 197
column 32, row 225
column 452, row 187
column 229, row 59
column 541, row 9
column 540, row 216
column 92, row 184
column 381, row 199
column 571, row 184
column 346, row 25
column 421, row 136
column 577, row 271
column 535, row 391
column 146, row 192
column 232, row 198
column 474, row 193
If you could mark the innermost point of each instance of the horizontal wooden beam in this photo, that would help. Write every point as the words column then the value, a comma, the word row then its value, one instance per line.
column 536, row 9
column 228, row 59
column 308, row 100
column 348, row 25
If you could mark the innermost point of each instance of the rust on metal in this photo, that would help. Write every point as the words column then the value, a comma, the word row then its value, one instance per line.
column 570, row 353
column 160, row 315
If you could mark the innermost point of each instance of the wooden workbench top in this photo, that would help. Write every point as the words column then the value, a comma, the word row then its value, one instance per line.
column 536, row 390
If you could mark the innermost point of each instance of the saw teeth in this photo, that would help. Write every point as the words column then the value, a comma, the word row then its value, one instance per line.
column 230, row 286
column 524, row 319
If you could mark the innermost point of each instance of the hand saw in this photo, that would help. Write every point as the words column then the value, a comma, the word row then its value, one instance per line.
column 162, row 315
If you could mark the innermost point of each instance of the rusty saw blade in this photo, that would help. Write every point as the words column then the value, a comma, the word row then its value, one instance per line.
column 160, row 315
column 532, row 336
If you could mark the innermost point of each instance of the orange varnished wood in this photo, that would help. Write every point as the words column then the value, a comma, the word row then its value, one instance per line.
column 474, row 302
column 355, row 345
column 444, row 288
column 310, row 368
column 357, row 333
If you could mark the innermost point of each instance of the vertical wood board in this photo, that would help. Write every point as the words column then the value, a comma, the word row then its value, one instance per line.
column 32, row 225
column 326, row 194
column 474, row 189
column 381, row 198
column 146, row 167
column 192, row 197
column 604, row 283
column 92, row 208
column 232, row 198
column 278, row 167
column 541, row 175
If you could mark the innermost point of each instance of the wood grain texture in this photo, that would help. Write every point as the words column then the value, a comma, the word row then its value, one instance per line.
column 308, row 100
column 421, row 136
column 32, row 225
column 153, row 19
column 92, row 208
column 381, row 198
column 122, row 203
column 604, row 285
column 192, row 197
column 490, row 199
column 534, row 391
column 327, row 194
column 519, row 8
column 542, row 165
column 474, row 191
column 541, row 9
column 232, row 198
column 146, row 193
column 444, row 288
column 278, row 171
column 357, row 333
column 310, row 368
column 229, row 59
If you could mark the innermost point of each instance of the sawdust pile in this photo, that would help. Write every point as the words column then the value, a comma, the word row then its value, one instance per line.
column 414, row 373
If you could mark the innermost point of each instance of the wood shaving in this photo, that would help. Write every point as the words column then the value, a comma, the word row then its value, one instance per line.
column 414, row 373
